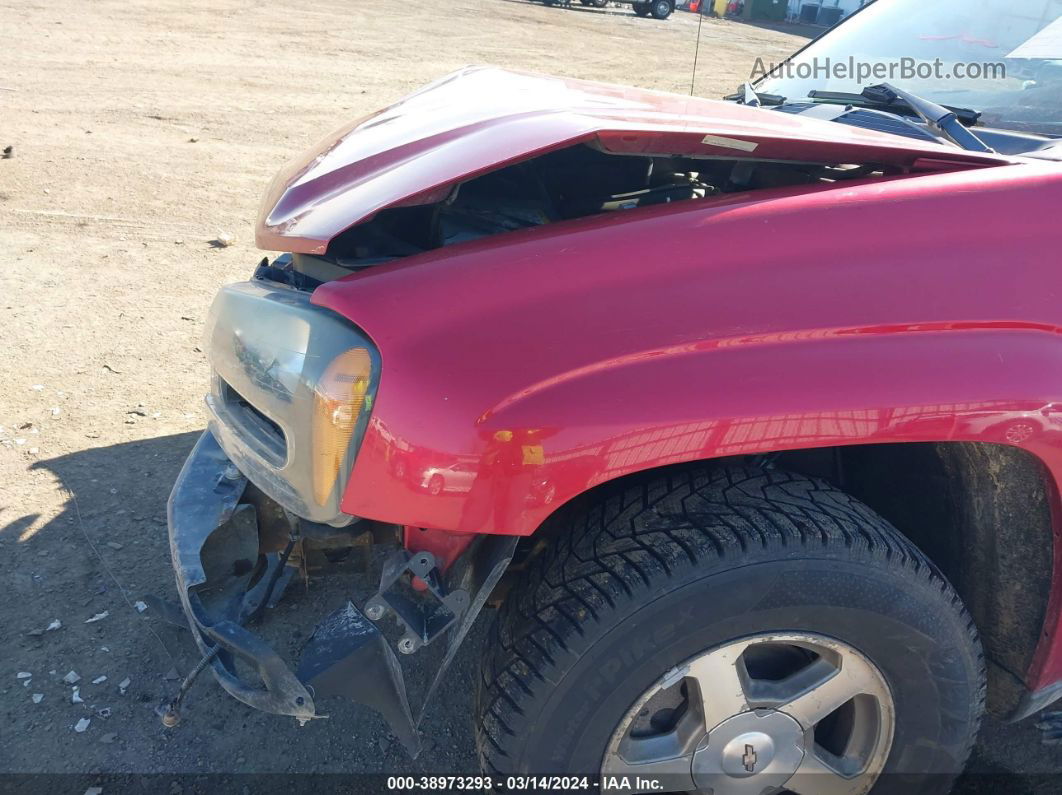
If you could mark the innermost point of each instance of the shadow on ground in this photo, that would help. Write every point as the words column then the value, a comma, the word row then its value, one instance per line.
column 106, row 549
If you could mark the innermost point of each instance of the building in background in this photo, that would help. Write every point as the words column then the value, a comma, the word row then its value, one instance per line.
column 821, row 12
column 826, row 13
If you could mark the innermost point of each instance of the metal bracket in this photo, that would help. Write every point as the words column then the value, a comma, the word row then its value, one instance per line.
column 423, row 615
column 477, row 572
column 347, row 656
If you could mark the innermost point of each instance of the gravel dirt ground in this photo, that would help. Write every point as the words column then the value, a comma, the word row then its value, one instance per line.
column 141, row 131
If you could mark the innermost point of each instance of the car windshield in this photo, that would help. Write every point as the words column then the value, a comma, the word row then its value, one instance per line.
column 1000, row 57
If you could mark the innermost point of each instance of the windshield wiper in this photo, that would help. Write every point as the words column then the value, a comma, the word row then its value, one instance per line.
column 941, row 120
column 894, row 105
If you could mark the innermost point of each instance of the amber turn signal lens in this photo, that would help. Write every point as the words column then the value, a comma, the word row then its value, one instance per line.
column 337, row 403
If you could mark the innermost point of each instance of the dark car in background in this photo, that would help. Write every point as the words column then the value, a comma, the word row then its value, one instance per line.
column 657, row 9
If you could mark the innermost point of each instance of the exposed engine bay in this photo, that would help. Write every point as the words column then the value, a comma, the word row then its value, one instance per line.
column 569, row 183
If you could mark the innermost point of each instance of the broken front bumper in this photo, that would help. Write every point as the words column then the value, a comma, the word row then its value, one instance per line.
column 226, row 576
column 223, row 583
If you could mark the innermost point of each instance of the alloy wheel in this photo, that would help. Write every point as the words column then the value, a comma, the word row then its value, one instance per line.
column 771, row 713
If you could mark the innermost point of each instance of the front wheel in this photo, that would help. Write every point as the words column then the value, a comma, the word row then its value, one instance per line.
column 732, row 631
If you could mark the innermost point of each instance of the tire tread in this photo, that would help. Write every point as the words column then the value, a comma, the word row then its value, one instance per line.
column 637, row 539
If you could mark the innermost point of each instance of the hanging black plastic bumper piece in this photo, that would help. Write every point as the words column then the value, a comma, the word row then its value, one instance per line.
column 215, row 547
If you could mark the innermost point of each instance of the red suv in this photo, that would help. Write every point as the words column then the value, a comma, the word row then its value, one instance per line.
column 714, row 399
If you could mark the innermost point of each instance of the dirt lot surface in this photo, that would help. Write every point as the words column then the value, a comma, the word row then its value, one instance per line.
column 142, row 131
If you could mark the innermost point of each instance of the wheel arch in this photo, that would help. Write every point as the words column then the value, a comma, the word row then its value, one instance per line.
column 985, row 514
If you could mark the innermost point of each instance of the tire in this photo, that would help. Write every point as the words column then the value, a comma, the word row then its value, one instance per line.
column 663, row 568
column 661, row 9
column 641, row 9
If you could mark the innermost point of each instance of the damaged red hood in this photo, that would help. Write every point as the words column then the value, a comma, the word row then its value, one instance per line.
column 479, row 119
